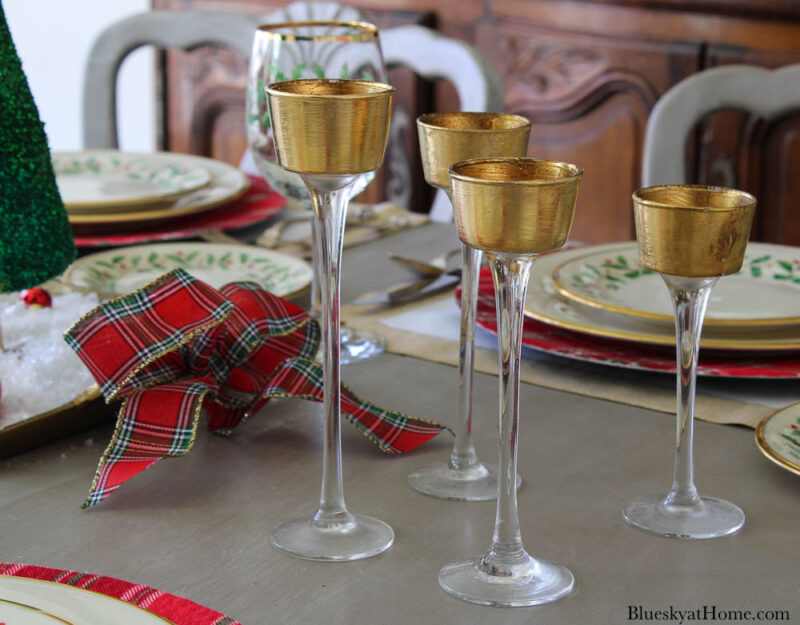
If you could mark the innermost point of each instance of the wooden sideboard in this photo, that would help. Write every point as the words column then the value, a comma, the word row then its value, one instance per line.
column 586, row 72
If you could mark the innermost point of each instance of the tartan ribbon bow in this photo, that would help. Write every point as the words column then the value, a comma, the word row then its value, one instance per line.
column 178, row 345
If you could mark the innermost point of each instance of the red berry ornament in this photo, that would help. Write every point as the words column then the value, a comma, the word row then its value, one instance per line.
column 36, row 297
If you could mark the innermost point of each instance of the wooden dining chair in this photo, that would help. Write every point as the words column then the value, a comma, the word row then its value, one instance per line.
column 164, row 29
column 427, row 53
column 768, row 93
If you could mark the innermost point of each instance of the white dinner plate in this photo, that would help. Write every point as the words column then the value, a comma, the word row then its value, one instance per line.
column 108, row 179
column 778, row 437
column 122, row 270
column 546, row 304
column 25, row 601
column 765, row 292
column 226, row 183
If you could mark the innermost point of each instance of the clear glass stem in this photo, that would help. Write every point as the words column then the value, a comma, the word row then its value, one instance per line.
column 330, row 196
column 463, row 456
column 510, row 274
column 690, row 299
column 316, row 298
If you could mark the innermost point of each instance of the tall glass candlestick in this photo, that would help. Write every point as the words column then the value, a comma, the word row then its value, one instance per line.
column 512, row 210
column 691, row 235
column 329, row 132
column 444, row 139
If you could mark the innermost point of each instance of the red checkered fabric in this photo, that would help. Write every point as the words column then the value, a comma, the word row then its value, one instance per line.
column 178, row 346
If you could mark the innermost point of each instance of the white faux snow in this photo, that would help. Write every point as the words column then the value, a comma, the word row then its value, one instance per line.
column 38, row 370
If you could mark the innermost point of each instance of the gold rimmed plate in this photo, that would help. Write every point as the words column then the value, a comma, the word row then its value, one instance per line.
column 123, row 270
column 778, row 437
column 93, row 180
column 226, row 183
column 766, row 292
column 544, row 303
column 38, row 602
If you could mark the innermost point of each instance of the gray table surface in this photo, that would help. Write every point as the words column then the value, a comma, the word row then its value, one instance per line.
column 199, row 526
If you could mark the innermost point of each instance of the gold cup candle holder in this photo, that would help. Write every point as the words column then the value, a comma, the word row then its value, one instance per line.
column 512, row 209
column 691, row 235
column 446, row 138
column 330, row 127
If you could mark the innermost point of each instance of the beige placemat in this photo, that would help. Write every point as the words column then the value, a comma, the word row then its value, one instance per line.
column 647, row 390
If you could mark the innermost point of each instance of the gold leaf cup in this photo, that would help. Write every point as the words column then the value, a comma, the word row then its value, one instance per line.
column 692, row 231
column 447, row 138
column 519, row 206
column 328, row 127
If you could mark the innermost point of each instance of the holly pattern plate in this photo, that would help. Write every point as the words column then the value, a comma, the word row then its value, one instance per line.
column 108, row 178
column 122, row 270
column 765, row 292
column 778, row 437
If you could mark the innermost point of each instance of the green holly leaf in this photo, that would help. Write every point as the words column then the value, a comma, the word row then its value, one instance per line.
column 277, row 74
column 366, row 75
column 345, row 72
column 298, row 71
column 317, row 69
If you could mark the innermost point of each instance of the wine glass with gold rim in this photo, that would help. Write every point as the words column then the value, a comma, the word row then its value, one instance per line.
column 692, row 235
column 329, row 132
column 446, row 138
column 312, row 49
column 512, row 209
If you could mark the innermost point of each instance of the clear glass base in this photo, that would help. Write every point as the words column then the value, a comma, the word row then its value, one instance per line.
column 478, row 483
column 357, row 345
column 531, row 583
column 710, row 518
column 354, row 538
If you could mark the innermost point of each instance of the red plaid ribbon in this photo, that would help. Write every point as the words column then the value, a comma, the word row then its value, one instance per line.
column 178, row 346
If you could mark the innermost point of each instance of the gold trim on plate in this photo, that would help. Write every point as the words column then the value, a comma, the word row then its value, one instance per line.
column 768, row 451
column 571, row 294
column 658, row 335
column 166, row 210
column 144, row 611
column 35, row 609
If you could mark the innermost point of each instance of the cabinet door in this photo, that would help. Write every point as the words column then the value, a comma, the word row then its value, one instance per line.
column 589, row 98
column 743, row 151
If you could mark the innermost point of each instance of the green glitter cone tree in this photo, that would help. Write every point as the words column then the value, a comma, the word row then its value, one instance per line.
column 35, row 236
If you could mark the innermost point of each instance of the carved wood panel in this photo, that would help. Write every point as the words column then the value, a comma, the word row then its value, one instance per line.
column 588, row 98
column 740, row 150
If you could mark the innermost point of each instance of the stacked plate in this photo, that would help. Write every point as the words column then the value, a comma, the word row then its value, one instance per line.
column 112, row 188
column 602, row 291
column 597, row 304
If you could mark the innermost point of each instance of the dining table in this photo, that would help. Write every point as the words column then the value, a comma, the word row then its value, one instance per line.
column 199, row 526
